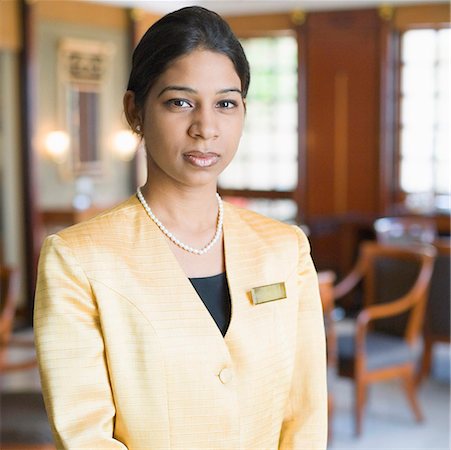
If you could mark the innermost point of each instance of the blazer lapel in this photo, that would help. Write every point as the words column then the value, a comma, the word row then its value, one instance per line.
column 248, row 266
column 157, row 285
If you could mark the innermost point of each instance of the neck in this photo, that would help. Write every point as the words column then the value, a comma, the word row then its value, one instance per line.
column 181, row 207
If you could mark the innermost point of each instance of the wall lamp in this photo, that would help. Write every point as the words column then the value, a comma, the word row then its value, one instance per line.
column 125, row 144
column 57, row 145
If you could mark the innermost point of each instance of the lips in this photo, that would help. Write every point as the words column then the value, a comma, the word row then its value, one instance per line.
column 201, row 159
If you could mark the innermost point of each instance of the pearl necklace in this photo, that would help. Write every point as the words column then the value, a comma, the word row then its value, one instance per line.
column 196, row 251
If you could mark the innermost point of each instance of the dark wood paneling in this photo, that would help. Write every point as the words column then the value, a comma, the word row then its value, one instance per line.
column 343, row 113
column 343, row 126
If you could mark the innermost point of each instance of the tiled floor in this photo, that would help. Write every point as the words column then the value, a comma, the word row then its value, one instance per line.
column 388, row 422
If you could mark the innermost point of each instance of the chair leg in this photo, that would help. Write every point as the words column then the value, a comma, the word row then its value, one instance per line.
column 360, row 400
column 410, row 387
column 426, row 360
column 330, row 408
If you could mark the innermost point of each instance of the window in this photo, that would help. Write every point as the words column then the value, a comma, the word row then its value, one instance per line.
column 265, row 165
column 424, row 139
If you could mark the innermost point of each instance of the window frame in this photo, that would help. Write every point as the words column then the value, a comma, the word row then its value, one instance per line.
column 270, row 25
column 400, row 196
column 405, row 18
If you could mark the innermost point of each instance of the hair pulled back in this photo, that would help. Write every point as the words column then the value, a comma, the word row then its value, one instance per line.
column 177, row 34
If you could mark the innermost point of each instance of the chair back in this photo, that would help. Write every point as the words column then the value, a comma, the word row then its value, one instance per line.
column 401, row 274
column 405, row 230
column 437, row 320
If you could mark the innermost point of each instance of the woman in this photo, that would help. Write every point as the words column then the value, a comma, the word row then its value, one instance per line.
column 174, row 321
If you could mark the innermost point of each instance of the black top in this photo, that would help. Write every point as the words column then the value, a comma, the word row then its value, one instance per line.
column 214, row 292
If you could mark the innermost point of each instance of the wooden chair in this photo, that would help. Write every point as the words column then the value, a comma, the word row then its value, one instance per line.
column 387, row 329
column 326, row 287
column 410, row 230
column 9, row 288
column 437, row 326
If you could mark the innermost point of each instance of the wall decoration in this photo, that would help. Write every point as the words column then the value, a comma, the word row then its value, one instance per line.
column 82, row 69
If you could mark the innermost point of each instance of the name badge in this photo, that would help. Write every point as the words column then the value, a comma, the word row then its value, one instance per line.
column 268, row 293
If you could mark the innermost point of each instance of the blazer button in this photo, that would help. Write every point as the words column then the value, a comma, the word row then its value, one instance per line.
column 226, row 375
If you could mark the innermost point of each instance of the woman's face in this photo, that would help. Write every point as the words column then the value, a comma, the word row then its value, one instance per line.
column 193, row 119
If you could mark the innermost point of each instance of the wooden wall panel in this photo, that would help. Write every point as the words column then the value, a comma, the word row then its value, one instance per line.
column 343, row 86
column 342, row 112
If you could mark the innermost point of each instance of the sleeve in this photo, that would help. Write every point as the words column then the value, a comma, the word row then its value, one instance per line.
column 70, row 352
column 305, row 422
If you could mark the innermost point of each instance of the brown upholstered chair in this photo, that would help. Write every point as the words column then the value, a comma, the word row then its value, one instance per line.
column 395, row 283
column 437, row 321
column 9, row 288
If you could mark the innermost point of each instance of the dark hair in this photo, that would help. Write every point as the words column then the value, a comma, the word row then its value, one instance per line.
column 177, row 34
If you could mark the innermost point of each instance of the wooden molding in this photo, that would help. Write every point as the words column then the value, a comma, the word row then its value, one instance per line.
column 437, row 14
column 142, row 22
column 84, row 13
column 243, row 26
column 261, row 25
column 9, row 25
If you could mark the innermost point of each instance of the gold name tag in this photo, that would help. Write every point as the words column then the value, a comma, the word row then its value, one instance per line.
column 268, row 293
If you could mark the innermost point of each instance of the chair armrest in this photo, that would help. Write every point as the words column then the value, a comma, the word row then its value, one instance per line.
column 326, row 280
column 380, row 311
column 348, row 283
column 375, row 312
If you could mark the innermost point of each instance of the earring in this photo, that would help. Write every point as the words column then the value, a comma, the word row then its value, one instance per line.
column 138, row 129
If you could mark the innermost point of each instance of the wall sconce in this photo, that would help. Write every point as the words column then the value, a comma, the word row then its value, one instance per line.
column 57, row 145
column 125, row 144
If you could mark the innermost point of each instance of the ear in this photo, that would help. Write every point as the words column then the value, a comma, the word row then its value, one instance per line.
column 132, row 113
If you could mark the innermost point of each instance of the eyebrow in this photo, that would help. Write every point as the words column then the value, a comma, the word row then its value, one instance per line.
column 193, row 91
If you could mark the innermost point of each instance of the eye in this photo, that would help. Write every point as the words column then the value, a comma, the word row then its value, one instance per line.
column 179, row 103
column 227, row 104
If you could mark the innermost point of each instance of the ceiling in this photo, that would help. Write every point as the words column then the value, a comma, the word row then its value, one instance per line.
column 233, row 7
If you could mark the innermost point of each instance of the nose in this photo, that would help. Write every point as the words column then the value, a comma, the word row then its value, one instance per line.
column 204, row 124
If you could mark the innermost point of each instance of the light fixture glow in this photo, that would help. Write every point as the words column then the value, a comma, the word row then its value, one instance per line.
column 57, row 145
column 125, row 144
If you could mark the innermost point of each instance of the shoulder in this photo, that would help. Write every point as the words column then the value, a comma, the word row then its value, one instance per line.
column 106, row 219
column 263, row 229
column 106, row 224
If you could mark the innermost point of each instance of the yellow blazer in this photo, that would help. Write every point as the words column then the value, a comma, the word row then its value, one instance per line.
column 130, row 358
